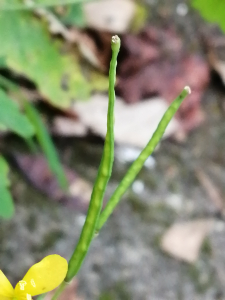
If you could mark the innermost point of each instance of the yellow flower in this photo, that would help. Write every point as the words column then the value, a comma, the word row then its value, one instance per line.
column 40, row 278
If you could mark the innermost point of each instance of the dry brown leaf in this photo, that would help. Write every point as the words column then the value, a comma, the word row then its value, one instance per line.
column 109, row 15
column 211, row 189
column 219, row 67
column 37, row 172
column 184, row 240
column 155, row 62
column 215, row 45
column 134, row 123
column 95, row 47
column 69, row 127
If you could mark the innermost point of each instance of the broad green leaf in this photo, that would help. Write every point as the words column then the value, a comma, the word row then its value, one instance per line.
column 12, row 118
column 74, row 15
column 3, row 127
column 6, row 202
column 4, row 169
column 2, row 62
column 18, row 5
column 212, row 10
column 30, row 51
column 47, row 145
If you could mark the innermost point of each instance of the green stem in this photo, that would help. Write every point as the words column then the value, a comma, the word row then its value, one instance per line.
column 42, row 135
column 139, row 162
column 32, row 145
column 47, row 145
column 59, row 290
column 104, row 173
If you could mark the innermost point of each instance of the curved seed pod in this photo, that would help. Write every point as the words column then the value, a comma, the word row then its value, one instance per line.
column 139, row 162
column 104, row 173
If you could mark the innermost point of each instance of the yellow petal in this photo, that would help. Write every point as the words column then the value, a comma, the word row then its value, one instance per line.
column 6, row 289
column 21, row 296
column 43, row 276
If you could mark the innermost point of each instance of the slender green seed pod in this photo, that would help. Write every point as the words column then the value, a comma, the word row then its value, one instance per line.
column 104, row 173
column 139, row 162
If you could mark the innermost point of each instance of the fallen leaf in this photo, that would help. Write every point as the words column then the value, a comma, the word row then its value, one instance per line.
column 95, row 46
column 69, row 127
column 154, row 62
column 184, row 240
column 219, row 67
column 36, row 171
column 109, row 15
column 212, row 190
column 134, row 123
column 214, row 42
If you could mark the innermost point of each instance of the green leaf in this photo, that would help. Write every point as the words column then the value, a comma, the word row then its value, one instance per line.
column 4, row 169
column 17, row 5
column 74, row 15
column 47, row 145
column 12, row 118
column 2, row 62
column 212, row 10
column 30, row 51
column 3, row 128
column 6, row 202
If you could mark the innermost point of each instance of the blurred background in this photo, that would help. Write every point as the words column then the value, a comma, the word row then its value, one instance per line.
column 166, row 238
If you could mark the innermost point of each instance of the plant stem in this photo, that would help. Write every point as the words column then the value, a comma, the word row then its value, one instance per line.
column 59, row 290
column 47, row 145
column 139, row 162
column 104, row 173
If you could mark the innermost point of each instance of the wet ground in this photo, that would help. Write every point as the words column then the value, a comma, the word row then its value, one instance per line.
column 125, row 260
